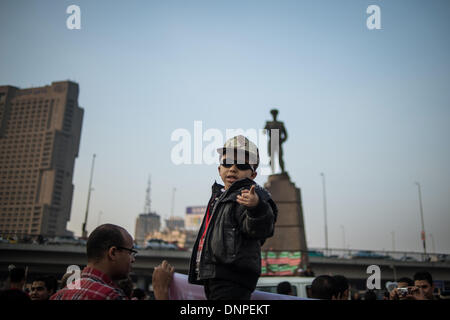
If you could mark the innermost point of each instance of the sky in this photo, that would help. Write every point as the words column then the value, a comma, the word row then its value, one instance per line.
column 368, row 108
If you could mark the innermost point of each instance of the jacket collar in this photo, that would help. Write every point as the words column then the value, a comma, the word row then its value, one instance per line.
column 246, row 182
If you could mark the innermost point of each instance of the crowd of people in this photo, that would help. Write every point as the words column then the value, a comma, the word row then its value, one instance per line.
column 326, row 287
column 44, row 287
column 110, row 255
column 100, row 285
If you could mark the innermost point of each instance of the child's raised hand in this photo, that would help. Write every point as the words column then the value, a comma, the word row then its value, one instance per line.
column 248, row 198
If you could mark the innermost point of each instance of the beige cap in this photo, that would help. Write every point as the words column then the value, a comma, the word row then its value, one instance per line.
column 243, row 146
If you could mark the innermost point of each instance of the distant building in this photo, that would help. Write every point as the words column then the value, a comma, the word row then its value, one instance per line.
column 146, row 223
column 182, row 238
column 175, row 223
column 194, row 217
column 40, row 131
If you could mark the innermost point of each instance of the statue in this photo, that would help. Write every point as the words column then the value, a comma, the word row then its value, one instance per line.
column 278, row 138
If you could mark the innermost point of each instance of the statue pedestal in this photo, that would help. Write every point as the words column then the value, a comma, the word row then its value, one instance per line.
column 289, row 232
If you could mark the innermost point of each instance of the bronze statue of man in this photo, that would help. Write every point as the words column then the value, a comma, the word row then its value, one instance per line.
column 281, row 137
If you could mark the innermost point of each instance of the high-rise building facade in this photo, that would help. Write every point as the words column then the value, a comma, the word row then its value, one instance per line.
column 174, row 223
column 146, row 223
column 40, row 130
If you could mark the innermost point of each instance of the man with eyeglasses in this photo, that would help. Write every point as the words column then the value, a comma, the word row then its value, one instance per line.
column 110, row 256
column 226, row 258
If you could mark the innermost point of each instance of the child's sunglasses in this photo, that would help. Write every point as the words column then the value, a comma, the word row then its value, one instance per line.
column 240, row 166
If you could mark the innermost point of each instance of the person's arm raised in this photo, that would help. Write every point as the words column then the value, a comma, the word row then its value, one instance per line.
column 161, row 279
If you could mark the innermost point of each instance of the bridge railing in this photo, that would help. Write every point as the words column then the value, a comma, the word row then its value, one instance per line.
column 407, row 256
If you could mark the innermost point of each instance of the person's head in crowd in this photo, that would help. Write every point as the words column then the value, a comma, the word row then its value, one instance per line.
column 17, row 278
column 424, row 282
column 110, row 250
column 43, row 288
column 370, row 295
column 14, row 291
column 309, row 272
column 285, row 288
column 342, row 287
column 139, row 294
column 356, row 296
column 405, row 282
column 127, row 286
column 64, row 279
column 324, row 287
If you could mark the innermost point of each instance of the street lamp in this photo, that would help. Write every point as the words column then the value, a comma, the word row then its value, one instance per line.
column 432, row 243
column 343, row 236
column 325, row 211
column 421, row 218
column 99, row 217
column 393, row 240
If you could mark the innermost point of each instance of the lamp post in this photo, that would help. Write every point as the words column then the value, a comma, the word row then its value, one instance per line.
column 325, row 211
column 173, row 202
column 432, row 243
column 421, row 218
column 99, row 217
column 393, row 240
column 343, row 236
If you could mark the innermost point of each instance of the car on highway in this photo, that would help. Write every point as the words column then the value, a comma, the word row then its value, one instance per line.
column 3, row 240
column 443, row 257
column 365, row 254
column 158, row 244
column 315, row 253
column 408, row 258
column 66, row 240
column 299, row 285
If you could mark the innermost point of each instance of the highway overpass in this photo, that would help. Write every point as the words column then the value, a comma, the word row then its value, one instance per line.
column 54, row 259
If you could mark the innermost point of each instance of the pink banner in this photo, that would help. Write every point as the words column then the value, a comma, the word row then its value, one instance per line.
column 181, row 289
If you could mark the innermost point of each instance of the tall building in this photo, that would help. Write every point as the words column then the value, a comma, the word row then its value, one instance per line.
column 174, row 223
column 40, row 131
column 146, row 223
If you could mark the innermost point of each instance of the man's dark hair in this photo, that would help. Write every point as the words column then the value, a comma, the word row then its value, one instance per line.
column 370, row 295
column 323, row 287
column 103, row 238
column 424, row 275
column 284, row 288
column 138, row 293
column 409, row 281
column 16, row 275
column 50, row 282
column 341, row 283
column 127, row 286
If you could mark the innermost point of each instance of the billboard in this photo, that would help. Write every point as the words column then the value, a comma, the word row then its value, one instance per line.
column 194, row 217
column 284, row 263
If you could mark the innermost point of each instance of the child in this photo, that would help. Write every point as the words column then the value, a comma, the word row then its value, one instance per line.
column 240, row 215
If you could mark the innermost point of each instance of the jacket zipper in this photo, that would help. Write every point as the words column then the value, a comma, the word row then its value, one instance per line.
column 209, row 229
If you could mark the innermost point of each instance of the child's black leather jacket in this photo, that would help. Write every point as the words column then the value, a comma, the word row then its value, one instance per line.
column 232, row 245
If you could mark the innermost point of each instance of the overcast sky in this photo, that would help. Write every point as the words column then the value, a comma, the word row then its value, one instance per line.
column 369, row 108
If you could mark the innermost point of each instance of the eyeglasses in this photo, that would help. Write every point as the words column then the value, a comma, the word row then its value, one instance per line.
column 240, row 166
column 131, row 251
